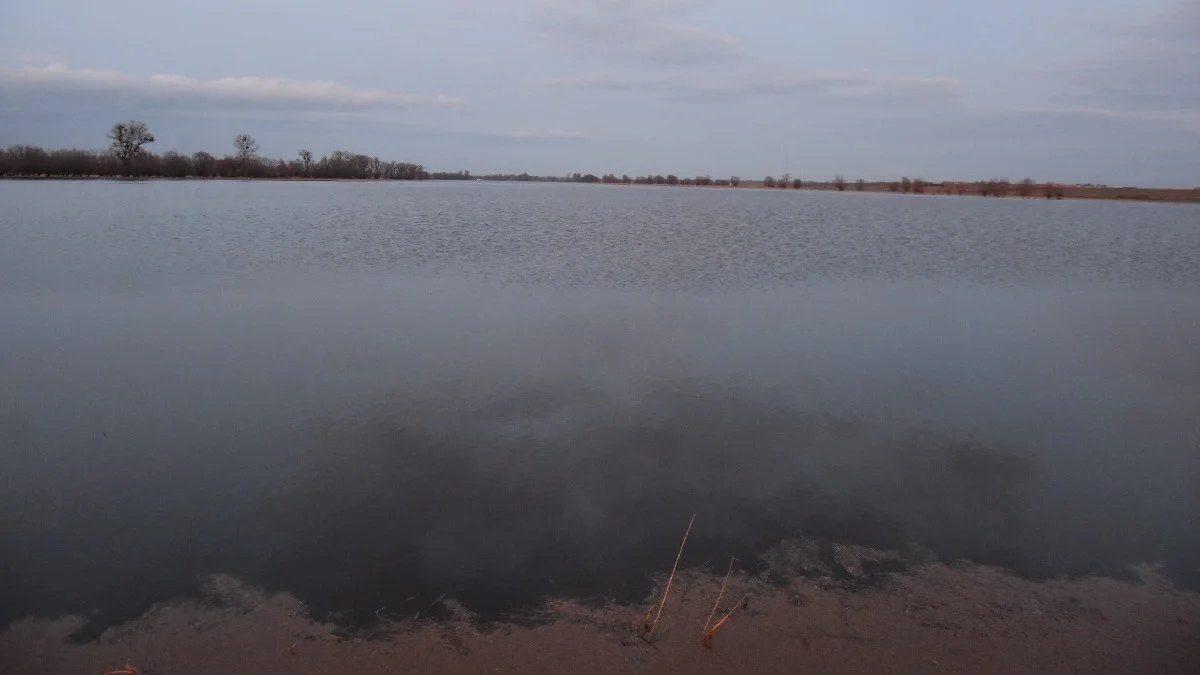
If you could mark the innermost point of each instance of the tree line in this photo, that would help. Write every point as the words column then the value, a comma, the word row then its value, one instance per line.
column 993, row 187
column 128, row 156
column 657, row 179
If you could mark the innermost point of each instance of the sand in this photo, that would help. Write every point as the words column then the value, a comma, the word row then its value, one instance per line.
column 932, row 618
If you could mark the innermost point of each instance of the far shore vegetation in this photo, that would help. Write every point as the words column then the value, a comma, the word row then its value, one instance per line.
column 128, row 157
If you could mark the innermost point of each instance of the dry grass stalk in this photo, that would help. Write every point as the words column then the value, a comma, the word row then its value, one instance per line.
column 651, row 626
column 708, row 638
column 719, row 596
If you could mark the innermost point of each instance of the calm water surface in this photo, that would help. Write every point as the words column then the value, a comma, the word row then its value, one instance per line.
column 370, row 395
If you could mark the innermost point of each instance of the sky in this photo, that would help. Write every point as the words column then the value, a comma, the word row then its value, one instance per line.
column 1101, row 91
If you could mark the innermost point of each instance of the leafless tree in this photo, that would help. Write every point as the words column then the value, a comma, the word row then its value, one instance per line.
column 247, row 149
column 203, row 164
column 1026, row 188
column 905, row 184
column 306, row 161
column 1053, row 191
column 894, row 186
column 735, row 181
column 127, row 141
column 769, row 181
column 918, row 186
column 839, row 182
column 797, row 183
column 175, row 165
column 861, row 185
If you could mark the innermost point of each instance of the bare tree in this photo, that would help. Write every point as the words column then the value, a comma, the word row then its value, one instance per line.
column 861, row 185
column 247, row 149
column 905, row 184
column 894, row 186
column 203, row 164
column 769, row 181
column 735, row 181
column 175, row 165
column 1026, row 188
column 306, row 160
column 127, row 141
column 918, row 186
column 797, row 183
column 839, row 182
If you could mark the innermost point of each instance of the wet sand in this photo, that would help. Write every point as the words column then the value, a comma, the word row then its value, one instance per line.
column 932, row 618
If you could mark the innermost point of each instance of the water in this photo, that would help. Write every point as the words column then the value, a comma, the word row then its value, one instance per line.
column 370, row 395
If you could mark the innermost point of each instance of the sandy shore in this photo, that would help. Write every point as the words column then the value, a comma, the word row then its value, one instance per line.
column 933, row 618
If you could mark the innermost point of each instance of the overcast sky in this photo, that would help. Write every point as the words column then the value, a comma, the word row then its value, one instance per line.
column 1068, row 90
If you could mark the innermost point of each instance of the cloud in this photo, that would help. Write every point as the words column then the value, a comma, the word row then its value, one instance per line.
column 682, row 44
column 1151, row 71
column 650, row 33
column 552, row 135
column 59, row 78
column 603, row 83
column 643, row 30
column 1185, row 120
column 758, row 81
column 1037, row 134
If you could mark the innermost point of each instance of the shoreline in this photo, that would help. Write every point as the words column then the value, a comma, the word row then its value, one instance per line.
column 1071, row 192
column 932, row 618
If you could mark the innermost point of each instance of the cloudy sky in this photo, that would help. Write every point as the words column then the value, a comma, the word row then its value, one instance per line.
column 1068, row 90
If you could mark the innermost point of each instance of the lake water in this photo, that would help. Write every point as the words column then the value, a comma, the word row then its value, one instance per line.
column 373, row 394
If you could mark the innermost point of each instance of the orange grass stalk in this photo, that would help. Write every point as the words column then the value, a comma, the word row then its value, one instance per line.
column 651, row 627
column 719, row 596
column 708, row 638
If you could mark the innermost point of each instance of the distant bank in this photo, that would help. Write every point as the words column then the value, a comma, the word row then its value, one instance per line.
column 1053, row 191
column 128, row 157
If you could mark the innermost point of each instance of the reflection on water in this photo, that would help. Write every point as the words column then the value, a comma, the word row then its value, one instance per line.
column 481, row 422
